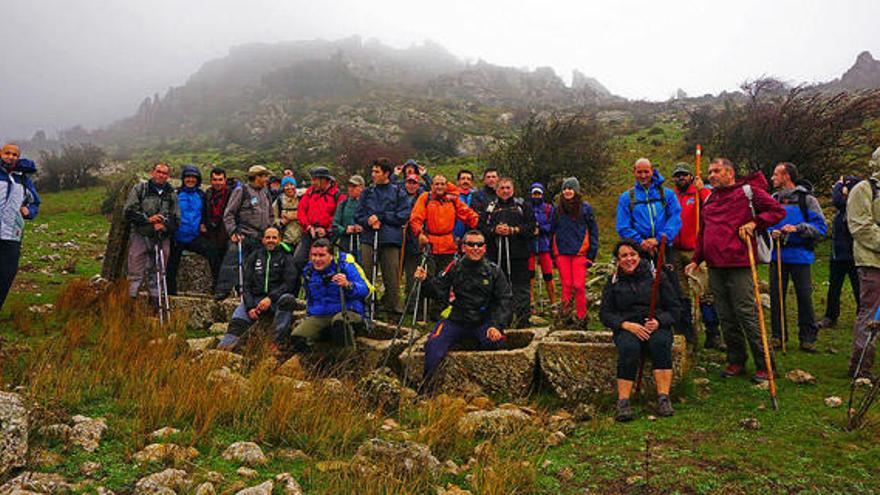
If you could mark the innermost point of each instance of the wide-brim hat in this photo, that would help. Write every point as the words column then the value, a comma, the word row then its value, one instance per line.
column 257, row 170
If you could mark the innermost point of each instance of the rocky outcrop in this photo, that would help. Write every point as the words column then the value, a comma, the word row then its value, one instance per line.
column 32, row 482
column 401, row 460
column 13, row 432
column 165, row 452
column 167, row 482
column 382, row 389
column 509, row 372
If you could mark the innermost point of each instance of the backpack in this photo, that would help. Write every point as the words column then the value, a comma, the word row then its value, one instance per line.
column 633, row 202
column 802, row 206
column 763, row 241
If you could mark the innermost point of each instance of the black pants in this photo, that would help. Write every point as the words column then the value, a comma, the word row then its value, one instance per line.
column 630, row 350
column 228, row 277
column 803, row 287
column 200, row 246
column 839, row 270
column 10, row 252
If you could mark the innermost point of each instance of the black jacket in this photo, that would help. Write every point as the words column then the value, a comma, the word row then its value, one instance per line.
column 629, row 298
column 841, row 238
column 482, row 293
column 516, row 213
column 268, row 274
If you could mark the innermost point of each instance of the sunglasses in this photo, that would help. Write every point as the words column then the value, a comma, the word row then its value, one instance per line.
column 475, row 244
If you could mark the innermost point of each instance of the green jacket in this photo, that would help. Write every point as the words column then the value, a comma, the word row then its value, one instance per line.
column 344, row 217
column 863, row 218
column 147, row 199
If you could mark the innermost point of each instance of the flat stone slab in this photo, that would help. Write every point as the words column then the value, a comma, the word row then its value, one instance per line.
column 380, row 347
column 582, row 366
column 509, row 372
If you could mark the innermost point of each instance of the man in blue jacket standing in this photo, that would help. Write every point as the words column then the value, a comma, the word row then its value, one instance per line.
column 187, row 237
column 645, row 212
column 800, row 230
column 383, row 212
column 22, row 203
column 327, row 280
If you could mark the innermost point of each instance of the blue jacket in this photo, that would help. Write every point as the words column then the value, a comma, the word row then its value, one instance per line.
column 322, row 297
column 460, row 227
column 841, row 238
column 17, row 190
column 389, row 203
column 576, row 236
column 544, row 213
column 643, row 214
column 797, row 247
column 192, row 204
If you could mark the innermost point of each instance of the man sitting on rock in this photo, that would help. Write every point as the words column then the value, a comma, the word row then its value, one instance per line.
column 481, row 304
column 269, row 273
column 329, row 280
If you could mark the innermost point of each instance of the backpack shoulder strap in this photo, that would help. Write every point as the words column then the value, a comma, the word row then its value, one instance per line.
column 632, row 199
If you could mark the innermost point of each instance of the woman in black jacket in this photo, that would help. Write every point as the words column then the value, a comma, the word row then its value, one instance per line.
column 625, row 304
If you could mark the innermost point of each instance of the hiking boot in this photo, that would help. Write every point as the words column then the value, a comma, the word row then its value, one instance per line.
column 624, row 411
column 733, row 370
column 761, row 376
column 664, row 406
column 827, row 322
column 809, row 347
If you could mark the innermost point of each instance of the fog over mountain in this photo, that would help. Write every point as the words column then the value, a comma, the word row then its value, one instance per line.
column 92, row 62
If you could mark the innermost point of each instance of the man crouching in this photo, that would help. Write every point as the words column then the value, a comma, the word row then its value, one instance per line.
column 269, row 273
column 331, row 283
column 481, row 302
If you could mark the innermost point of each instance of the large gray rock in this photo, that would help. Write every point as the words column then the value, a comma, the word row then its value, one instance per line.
column 381, row 389
column 582, row 366
column 46, row 483
column 494, row 422
column 87, row 432
column 199, row 313
column 194, row 275
column 167, row 482
column 165, row 452
column 13, row 432
column 509, row 372
column 264, row 488
column 245, row 453
column 401, row 460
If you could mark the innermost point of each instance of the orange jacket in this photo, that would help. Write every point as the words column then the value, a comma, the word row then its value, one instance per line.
column 436, row 218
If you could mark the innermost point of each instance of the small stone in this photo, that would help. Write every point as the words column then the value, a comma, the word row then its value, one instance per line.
column 246, row 472
column 701, row 381
column 101, row 490
column 203, row 344
column 289, row 485
column 56, row 431
column 264, row 488
column 163, row 433
column 750, row 424
column 800, row 377
column 89, row 468
column 228, row 382
column 162, row 452
column 765, row 385
column 565, row 473
column 651, row 417
column 214, row 477
column 206, row 488
column 547, row 463
column 451, row 467
column 218, row 328
column 762, row 407
column 87, row 432
column 833, row 401
column 247, row 453
column 166, row 482
column 389, row 425
column 863, row 382
column 634, row 479
column 584, row 412
column 556, row 439
column 451, row 490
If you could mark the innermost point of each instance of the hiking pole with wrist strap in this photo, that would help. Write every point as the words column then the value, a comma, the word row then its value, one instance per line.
column 652, row 307
column 240, row 272
column 158, row 283
column 163, row 293
column 768, row 362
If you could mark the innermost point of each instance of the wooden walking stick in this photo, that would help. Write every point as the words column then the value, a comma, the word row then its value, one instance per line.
column 652, row 308
column 780, row 292
column 698, row 173
column 768, row 363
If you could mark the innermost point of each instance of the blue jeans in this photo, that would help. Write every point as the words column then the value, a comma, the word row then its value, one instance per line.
column 241, row 322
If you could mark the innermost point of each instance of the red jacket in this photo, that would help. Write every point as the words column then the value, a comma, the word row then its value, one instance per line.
column 317, row 208
column 724, row 212
column 436, row 216
column 687, row 236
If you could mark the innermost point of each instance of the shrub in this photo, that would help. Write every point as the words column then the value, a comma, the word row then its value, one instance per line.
column 76, row 166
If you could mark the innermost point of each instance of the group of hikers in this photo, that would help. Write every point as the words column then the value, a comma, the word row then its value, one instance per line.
column 468, row 257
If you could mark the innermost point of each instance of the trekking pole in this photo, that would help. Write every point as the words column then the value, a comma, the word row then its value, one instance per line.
column 423, row 262
column 768, row 363
column 346, row 325
column 780, row 292
column 412, row 291
column 652, row 306
column 540, row 286
column 158, row 284
column 163, row 294
column 507, row 253
column 873, row 327
column 373, row 276
column 698, row 173
column 240, row 272
column 498, row 248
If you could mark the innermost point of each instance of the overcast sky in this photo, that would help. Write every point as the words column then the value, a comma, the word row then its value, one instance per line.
column 90, row 62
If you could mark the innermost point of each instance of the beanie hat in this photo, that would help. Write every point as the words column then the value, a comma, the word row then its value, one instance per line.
column 538, row 186
column 287, row 180
column 571, row 183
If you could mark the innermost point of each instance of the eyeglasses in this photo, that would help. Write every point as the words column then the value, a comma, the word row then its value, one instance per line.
column 475, row 244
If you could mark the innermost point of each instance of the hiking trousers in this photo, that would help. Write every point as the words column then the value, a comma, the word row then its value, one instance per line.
column 869, row 285
column 738, row 314
column 389, row 265
column 228, row 277
column 10, row 253
column 448, row 333
column 802, row 279
column 838, row 271
column 142, row 263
